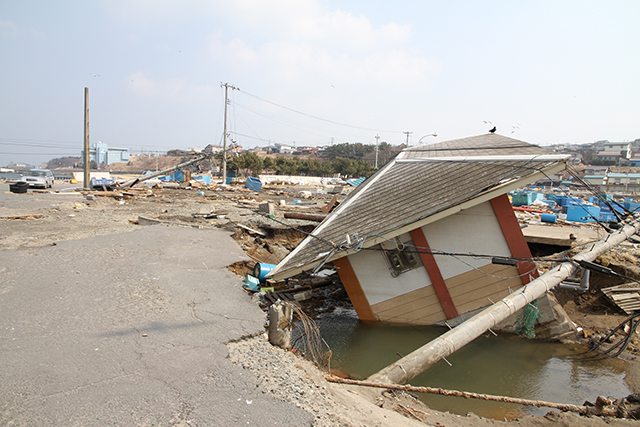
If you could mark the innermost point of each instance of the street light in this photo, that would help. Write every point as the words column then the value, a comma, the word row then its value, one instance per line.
column 431, row 134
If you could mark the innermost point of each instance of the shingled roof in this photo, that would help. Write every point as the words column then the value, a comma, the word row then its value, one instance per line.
column 421, row 185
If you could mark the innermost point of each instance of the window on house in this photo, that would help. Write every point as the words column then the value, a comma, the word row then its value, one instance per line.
column 617, row 181
column 401, row 257
column 632, row 180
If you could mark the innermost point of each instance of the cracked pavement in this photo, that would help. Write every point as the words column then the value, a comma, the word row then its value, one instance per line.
column 129, row 329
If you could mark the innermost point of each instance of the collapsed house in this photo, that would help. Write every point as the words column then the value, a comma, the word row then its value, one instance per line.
column 432, row 235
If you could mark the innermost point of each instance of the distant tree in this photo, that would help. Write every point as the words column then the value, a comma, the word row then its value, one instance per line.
column 267, row 163
column 177, row 153
column 287, row 166
column 251, row 162
column 587, row 157
column 348, row 150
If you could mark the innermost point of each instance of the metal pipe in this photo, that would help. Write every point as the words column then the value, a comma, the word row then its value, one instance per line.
column 421, row 359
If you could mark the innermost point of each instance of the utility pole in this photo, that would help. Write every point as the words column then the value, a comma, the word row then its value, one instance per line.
column 224, row 140
column 87, row 184
column 407, row 133
column 377, row 138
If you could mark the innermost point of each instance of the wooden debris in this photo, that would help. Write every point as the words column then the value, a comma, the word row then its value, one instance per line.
column 624, row 297
column 31, row 216
column 308, row 217
column 152, row 221
column 329, row 207
column 251, row 230
column 603, row 405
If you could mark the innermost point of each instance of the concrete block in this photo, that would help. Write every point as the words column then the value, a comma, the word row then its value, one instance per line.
column 267, row 208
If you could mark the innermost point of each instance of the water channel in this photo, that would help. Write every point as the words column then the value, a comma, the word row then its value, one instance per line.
column 505, row 365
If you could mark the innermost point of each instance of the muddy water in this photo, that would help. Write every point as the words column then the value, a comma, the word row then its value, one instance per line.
column 504, row 365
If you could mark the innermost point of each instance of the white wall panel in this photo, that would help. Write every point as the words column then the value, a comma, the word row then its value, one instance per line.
column 376, row 280
column 474, row 230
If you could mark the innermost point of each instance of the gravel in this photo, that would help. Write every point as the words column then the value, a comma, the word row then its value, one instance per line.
column 287, row 377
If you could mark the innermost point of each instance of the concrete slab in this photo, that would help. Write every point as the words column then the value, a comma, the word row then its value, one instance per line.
column 560, row 235
column 129, row 329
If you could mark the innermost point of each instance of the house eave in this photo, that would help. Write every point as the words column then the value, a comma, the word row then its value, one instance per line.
column 481, row 198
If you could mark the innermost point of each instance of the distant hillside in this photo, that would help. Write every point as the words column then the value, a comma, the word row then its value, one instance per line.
column 136, row 164
column 142, row 163
column 63, row 163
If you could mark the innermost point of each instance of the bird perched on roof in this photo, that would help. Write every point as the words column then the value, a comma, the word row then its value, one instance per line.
column 493, row 130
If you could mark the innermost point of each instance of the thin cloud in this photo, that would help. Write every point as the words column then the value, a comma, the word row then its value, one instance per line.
column 11, row 29
column 169, row 90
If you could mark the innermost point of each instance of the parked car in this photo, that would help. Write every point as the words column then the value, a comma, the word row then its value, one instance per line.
column 39, row 178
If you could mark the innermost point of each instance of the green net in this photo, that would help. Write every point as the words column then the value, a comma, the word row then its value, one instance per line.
column 527, row 320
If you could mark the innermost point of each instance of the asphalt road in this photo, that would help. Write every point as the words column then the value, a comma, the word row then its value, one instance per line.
column 129, row 330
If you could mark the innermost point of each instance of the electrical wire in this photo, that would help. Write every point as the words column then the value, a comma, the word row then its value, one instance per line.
column 316, row 117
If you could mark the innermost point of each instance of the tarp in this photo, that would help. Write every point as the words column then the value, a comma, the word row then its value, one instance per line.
column 253, row 184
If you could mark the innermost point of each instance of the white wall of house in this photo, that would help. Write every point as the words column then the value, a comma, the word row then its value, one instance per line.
column 376, row 280
column 475, row 230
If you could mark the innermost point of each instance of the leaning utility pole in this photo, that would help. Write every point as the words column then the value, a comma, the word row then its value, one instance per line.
column 87, row 184
column 421, row 359
column 224, row 140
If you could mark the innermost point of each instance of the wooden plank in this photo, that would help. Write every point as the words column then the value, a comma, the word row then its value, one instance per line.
column 354, row 289
column 479, row 280
column 437, row 281
column 513, row 234
column 425, row 292
column 484, row 292
column 483, row 302
column 431, row 304
column 419, row 317
column 618, row 297
column 492, row 269
column 419, row 304
column 250, row 230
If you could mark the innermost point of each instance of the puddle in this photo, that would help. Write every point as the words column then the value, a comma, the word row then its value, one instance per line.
column 504, row 365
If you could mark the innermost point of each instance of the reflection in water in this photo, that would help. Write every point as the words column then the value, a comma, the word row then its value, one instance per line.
column 504, row 365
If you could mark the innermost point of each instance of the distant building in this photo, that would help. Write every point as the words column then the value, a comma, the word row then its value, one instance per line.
column 213, row 149
column 613, row 151
column 610, row 156
column 596, row 170
column 622, row 182
column 103, row 155
column 19, row 166
column 283, row 149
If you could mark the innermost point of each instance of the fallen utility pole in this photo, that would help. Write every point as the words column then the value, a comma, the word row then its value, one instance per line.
column 603, row 405
column 305, row 216
column 421, row 359
column 141, row 178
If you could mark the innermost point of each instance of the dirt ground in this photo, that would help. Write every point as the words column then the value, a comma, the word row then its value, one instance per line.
column 77, row 215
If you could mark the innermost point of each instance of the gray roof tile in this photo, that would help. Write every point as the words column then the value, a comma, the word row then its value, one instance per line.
column 403, row 192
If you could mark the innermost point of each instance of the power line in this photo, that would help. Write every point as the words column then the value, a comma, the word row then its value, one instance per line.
column 316, row 117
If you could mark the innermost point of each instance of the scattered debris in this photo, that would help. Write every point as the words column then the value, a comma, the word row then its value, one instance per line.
column 626, row 297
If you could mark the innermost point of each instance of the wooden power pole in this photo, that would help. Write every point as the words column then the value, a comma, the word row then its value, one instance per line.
column 377, row 139
column 407, row 133
column 87, row 184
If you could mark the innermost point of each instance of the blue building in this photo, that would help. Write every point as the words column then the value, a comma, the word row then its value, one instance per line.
column 103, row 155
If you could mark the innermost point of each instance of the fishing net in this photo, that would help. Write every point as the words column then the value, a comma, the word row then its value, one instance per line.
column 309, row 342
column 527, row 320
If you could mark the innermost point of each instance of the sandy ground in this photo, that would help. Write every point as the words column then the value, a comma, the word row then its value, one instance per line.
column 31, row 220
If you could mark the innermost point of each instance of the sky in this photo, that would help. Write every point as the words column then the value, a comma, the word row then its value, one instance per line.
column 313, row 72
